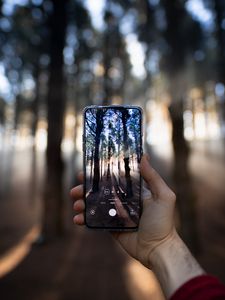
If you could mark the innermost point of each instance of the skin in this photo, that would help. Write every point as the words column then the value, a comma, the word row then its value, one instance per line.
column 156, row 244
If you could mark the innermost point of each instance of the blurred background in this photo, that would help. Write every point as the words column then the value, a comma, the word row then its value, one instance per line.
column 56, row 57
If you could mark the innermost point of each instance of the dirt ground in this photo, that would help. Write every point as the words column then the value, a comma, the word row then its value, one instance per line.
column 86, row 264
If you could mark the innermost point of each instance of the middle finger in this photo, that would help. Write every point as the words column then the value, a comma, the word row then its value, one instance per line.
column 79, row 206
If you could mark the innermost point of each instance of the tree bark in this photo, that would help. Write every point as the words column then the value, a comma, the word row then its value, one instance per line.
column 186, row 198
column 53, row 202
column 99, row 127
column 35, row 104
column 126, row 159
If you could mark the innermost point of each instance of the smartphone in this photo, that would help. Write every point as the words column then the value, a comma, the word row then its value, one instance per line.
column 112, row 145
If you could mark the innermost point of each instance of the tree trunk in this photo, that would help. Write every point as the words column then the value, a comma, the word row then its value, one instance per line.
column 35, row 104
column 109, row 157
column 219, row 13
column 126, row 159
column 53, row 208
column 219, row 7
column 92, row 159
column 99, row 127
column 18, row 110
column 186, row 198
column 119, row 144
column 106, row 62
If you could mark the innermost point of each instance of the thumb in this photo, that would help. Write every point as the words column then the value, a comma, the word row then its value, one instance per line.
column 154, row 182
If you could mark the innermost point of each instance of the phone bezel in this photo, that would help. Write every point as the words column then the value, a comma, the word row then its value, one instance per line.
column 84, row 161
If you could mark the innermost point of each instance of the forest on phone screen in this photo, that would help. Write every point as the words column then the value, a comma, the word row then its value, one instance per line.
column 113, row 152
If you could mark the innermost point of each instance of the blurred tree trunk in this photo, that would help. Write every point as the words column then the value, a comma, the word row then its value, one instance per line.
column 53, row 208
column 76, row 93
column 35, row 104
column 107, row 57
column 2, row 112
column 17, row 112
column 219, row 13
column 219, row 7
column 115, row 56
column 175, row 61
column 186, row 198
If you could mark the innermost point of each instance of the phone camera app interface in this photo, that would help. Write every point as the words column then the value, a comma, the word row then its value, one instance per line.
column 112, row 158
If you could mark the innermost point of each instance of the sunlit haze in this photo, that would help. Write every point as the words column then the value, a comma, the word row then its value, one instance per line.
column 197, row 9
column 95, row 8
column 136, row 52
column 4, row 84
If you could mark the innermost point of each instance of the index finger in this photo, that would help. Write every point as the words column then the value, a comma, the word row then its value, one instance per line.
column 77, row 192
column 80, row 177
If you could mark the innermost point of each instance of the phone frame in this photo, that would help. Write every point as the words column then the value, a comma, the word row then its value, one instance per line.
column 105, row 228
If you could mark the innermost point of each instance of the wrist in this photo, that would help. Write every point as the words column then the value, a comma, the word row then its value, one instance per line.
column 162, row 247
column 173, row 263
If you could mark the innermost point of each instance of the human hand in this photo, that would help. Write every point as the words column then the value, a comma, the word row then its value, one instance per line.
column 157, row 220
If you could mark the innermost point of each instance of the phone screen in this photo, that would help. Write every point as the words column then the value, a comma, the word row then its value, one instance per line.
column 112, row 154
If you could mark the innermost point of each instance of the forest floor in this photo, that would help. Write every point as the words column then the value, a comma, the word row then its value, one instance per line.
column 89, row 265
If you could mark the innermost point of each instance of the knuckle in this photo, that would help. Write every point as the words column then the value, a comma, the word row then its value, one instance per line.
column 172, row 196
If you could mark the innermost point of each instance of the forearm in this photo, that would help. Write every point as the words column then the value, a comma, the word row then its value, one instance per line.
column 173, row 264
